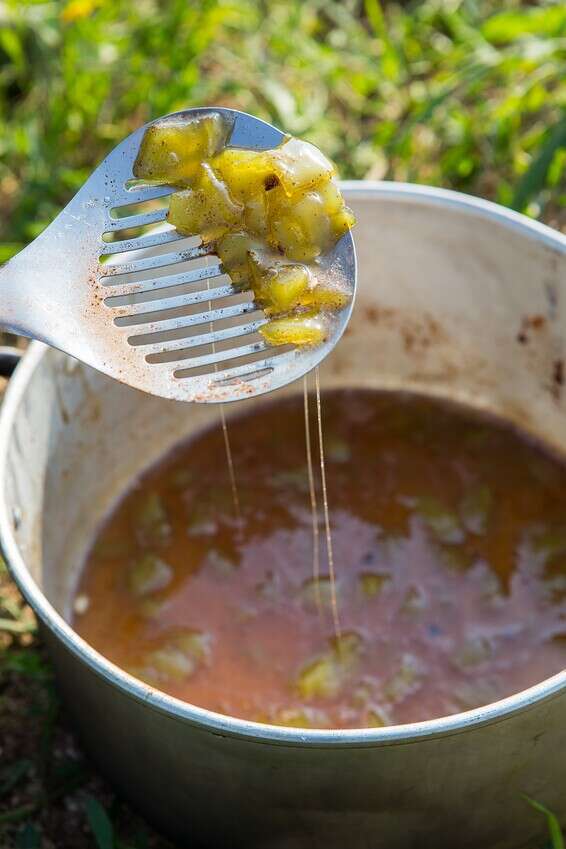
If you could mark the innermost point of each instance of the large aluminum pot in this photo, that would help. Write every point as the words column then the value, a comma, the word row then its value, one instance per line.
column 448, row 286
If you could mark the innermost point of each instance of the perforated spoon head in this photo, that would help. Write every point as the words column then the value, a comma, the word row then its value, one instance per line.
column 150, row 307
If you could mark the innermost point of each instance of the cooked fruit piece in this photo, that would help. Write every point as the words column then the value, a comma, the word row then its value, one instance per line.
column 306, row 329
column 407, row 680
column 172, row 151
column 371, row 583
column 179, row 658
column 300, row 166
column 306, row 226
column 278, row 286
column 347, row 648
column 326, row 295
column 327, row 674
column 148, row 575
column 152, row 524
column 247, row 173
column 206, row 210
column 320, row 678
column 298, row 228
column 233, row 249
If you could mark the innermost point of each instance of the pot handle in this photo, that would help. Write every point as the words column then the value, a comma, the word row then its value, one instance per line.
column 9, row 359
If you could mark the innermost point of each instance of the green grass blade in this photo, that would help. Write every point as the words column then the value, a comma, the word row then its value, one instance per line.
column 100, row 823
column 534, row 179
column 556, row 836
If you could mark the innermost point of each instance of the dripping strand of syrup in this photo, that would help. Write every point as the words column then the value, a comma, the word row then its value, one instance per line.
column 329, row 550
column 226, row 436
column 313, row 502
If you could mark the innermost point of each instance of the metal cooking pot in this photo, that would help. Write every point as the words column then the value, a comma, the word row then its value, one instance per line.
column 448, row 289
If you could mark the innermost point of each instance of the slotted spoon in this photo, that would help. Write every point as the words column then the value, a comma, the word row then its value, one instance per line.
column 152, row 309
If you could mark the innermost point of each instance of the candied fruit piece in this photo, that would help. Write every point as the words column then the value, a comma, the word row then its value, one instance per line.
column 315, row 590
column 152, row 523
column 326, row 296
column 300, row 166
column 178, row 658
column 406, row 681
column 298, row 227
column 320, row 678
column 245, row 172
column 306, row 329
column 148, row 575
column 172, row 151
column 341, row 222
column 371, row 583
column 171, row 663
column 233, row 249
column 206, row 210
column 347, row 648
column 278, row 286
column 377, row 717
column 255, row 215
column 326, row 675
column 473, row 652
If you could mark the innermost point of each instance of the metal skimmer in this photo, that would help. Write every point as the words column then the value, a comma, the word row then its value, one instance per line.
column 149, row 307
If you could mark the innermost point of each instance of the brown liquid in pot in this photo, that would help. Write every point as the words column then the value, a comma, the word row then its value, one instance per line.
column 449, row 536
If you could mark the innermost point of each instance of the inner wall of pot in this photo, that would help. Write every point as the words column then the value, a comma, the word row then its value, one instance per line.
column 449, row 303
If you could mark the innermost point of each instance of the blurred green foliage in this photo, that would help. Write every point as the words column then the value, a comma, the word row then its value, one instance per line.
column 469, row 94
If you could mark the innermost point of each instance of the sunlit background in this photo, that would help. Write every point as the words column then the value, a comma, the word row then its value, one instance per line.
column 469, row 94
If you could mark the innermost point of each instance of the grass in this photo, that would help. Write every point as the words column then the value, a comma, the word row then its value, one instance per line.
column 468, row 94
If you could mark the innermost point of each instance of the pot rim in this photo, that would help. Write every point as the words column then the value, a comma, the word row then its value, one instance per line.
column 220, row 724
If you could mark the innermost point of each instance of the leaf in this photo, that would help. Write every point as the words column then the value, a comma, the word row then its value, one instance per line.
column 508, row 26
column 12, row 775
column 29, row 837
column 556, row 837
column 99, row 823
column 11, row 45
column 534, row 179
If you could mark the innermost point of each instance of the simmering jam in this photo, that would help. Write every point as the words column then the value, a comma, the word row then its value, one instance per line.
column 449, row 541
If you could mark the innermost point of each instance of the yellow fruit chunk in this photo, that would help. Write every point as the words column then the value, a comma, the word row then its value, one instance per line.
column 255, row 215
column 306, row 329
column 247, row 173
column 306, row 227
column 327, row 296
column 233, row 249
column 149, row 574
column 179, row 658
column 206, row 210
column 326, row 675
column 172, row 151
column 371, row 583
column 319, row 679
column 300, row 166
column 278, row 286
